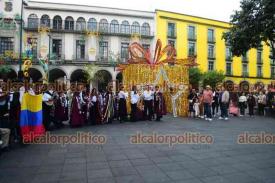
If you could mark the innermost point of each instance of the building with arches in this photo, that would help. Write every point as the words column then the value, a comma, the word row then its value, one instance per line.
column 76, row 35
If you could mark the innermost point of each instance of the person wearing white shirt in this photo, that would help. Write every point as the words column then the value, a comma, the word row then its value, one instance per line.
column 148, row 103
column 242, row 104
column 134, row 101
column 47, row 107
column 122, row 108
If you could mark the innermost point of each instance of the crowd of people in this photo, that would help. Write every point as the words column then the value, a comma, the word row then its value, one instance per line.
column 207, row 103
column 86, row 106
column 80, row 107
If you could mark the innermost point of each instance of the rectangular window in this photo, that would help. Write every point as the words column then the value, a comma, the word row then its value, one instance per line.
column 6, row 44
column 114, row 28
column 171, row 30
column 211, row 51
column 103, row 50
column 228, row 68
column 259, row 71
column 191, row 48
column 259, row 57
column 124, row 51
column 80, row 49
column 228, row 53
column 245, row 70
column 211, row 35
column 245, row 57
column 191, row 32
column 210, row 65
column 272, row 61
column 272, row 72
column 57, row 48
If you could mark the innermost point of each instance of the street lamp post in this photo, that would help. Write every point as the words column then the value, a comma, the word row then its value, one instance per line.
column 20, row 72
column 49, row 57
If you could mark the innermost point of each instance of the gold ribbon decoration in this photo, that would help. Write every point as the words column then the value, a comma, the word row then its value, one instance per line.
column 26, row 65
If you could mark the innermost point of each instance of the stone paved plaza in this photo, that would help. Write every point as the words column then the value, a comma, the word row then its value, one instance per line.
column 119, row 161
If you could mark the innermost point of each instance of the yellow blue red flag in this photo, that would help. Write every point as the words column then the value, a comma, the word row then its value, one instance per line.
column 31, row 121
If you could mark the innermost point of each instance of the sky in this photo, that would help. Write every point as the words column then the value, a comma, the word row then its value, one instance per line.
column 213, row 9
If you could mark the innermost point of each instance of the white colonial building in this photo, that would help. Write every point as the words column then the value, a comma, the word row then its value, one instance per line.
column 73, row 36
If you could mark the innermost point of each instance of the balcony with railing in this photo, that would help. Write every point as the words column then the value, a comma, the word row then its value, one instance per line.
column 83, row 27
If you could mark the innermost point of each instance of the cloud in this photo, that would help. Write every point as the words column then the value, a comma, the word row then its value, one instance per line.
column 214, row 9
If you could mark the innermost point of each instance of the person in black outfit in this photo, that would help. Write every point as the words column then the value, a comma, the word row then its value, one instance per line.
column 192, row 98
column 215, row 103
column 14, row 113
column 95, row 117
column 251, row 102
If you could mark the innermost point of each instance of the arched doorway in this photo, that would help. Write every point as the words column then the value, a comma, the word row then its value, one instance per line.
column 56, row 74
column 10, row 74
column 80, row 76
column 119, row 77
column 244, row 86
column 35, row 75
column 103, row 78
column 229, row 85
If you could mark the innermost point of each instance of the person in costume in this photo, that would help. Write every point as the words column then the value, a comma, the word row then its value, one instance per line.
column 108, row 111
column 77, row 119
column 148, row 97
column 14, row 112
column 84, row 98
column 60, row 106
column 94, row 105
column 122, row 108
column 47, row 107
column 159, row 104
column 134, row 101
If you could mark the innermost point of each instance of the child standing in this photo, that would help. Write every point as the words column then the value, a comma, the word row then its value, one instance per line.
column 197, row 107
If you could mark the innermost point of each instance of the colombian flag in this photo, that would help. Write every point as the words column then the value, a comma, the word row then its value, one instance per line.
column 31, row 117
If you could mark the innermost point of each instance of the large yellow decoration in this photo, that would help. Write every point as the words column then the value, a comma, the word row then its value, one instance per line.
column 170, row 74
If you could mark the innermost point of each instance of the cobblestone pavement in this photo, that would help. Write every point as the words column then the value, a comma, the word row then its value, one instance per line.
column 120, row 161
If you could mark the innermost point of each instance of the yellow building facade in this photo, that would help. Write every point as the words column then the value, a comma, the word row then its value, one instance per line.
column 202, row 37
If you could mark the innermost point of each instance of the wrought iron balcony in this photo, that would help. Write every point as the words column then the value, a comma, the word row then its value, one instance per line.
column 77, row 27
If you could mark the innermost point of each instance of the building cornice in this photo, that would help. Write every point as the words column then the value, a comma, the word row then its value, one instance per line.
column 164, row 11
column 142, row 14
column 192, row 22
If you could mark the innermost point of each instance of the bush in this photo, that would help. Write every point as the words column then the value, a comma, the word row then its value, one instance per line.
column 195, row 76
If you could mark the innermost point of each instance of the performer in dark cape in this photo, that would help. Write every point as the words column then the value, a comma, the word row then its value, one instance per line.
column 84, row 96
column 60, row 108
column 159, row 104
column 14, row 112
column 95, row 114
column 76, row 113
column 122, row 108
column 108, row 111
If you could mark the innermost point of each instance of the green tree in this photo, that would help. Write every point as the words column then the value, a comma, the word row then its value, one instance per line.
column 195, row 76
column 213, row 78
column 252, row 25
